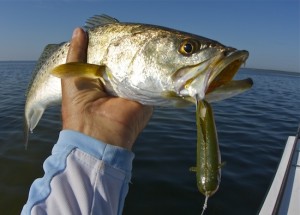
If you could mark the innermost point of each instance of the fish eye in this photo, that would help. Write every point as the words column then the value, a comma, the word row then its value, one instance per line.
column 188, row 47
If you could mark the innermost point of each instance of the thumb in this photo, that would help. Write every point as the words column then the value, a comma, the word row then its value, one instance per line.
column 77, row 53
column 78, row 47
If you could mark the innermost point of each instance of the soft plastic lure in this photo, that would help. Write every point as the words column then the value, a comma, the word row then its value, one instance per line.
column 208, row 166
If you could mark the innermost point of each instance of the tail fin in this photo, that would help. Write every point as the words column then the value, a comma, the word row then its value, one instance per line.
column 31, row 119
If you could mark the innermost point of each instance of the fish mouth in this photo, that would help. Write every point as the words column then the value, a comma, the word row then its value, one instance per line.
column 212, row 79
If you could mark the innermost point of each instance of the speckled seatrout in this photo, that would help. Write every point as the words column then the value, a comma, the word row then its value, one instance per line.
column 149, row 64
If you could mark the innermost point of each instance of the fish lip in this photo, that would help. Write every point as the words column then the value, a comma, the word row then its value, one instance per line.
column 226, row 68
column 207, row 76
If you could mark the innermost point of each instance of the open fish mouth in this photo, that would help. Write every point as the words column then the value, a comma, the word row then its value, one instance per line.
column 226, row 69
column 212, row 79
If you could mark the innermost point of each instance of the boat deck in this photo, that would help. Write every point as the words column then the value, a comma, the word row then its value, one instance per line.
column 284, row 194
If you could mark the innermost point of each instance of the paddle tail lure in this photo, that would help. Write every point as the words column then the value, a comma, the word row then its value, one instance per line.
column 208, row 161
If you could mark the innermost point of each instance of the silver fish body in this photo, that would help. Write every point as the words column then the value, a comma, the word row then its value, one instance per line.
column 149, row 64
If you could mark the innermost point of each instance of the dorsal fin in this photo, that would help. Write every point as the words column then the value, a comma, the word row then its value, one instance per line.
column 99, row 20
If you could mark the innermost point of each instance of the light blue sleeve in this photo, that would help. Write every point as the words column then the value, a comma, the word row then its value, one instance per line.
column 82, row 176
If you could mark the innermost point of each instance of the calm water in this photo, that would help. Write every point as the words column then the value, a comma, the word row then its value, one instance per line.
column 252, row 128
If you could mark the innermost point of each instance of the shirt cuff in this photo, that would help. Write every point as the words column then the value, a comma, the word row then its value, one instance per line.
column 114, row 156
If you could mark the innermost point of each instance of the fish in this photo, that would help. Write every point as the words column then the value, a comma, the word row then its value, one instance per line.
column 149, row 64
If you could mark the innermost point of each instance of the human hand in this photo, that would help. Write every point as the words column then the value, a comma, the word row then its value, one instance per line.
column 88, row 109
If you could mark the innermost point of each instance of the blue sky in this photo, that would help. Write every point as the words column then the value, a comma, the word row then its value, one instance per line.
column 268, row 29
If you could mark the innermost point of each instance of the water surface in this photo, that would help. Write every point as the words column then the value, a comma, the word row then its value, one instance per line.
column 252, row 128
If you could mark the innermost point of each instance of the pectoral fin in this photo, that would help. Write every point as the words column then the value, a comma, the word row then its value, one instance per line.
column 76, row 69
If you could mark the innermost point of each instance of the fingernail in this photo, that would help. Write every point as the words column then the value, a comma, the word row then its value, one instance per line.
column 75, row 32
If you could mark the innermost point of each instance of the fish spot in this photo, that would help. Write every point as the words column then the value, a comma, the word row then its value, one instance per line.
column 116, row 43
column 137, row 30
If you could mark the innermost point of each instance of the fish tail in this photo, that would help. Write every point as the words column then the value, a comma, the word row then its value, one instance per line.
column 31, row 118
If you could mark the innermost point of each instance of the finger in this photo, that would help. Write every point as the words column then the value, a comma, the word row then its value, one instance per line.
column 77, row 53
column 78, row 47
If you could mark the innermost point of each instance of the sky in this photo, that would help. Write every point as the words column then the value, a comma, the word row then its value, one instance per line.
column 268, row 29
